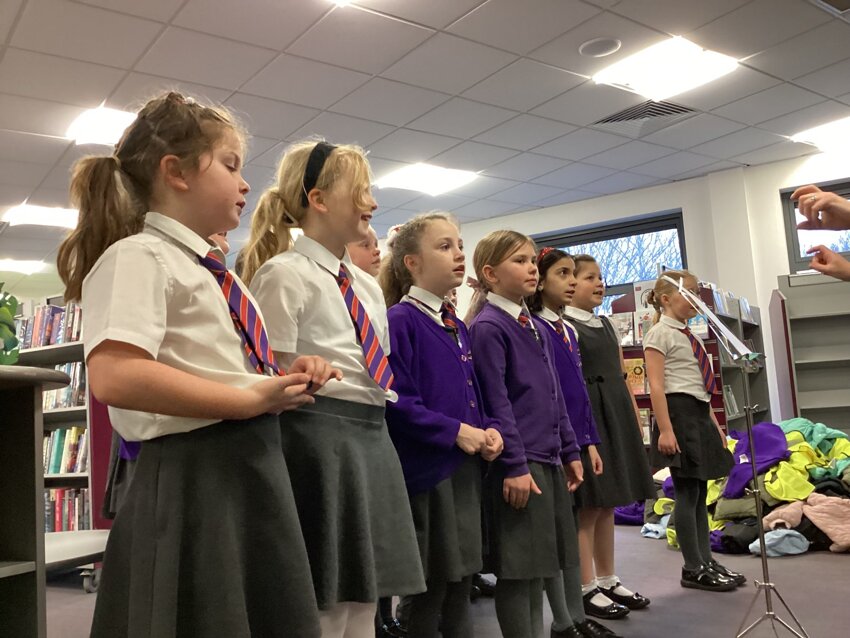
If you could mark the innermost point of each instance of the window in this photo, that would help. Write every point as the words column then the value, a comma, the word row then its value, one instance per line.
column 629, row 250
column 799, row 241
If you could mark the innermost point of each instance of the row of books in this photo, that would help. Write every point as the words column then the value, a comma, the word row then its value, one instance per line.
column 632, row 326
column 66, row 451
column 67, row 510
column 50, row 325
column 71, row 396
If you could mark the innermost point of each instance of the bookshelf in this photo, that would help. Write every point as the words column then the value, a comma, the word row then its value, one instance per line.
column 810, row 321
column 22, row 556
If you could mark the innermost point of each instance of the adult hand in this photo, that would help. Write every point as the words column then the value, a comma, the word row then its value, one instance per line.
column 829, row 262
column 823, row 210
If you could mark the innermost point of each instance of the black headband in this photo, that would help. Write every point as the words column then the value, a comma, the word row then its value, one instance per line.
column 315, row 163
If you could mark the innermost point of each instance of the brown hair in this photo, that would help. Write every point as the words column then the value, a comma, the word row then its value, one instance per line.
column 114, row 192
column 281, row 207
column 664, row 287
column 492, row 250
column 582, row 260
column 546, row 258
column 395, row 278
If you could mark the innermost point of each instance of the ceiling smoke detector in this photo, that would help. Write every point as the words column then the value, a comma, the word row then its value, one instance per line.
column 600, row 47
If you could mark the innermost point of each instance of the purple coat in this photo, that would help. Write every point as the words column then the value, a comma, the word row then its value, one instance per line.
column 437, row 390
column 522, row 391
column 771, row 449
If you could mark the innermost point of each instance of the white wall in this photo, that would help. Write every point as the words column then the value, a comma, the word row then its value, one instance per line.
column 734, row 231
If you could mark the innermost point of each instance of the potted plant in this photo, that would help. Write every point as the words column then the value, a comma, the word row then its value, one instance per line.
column 8, row 307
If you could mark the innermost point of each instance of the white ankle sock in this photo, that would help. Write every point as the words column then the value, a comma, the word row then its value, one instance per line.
column 607, row 582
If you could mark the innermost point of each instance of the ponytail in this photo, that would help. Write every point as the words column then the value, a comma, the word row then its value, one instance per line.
column 665, row 287
column 270, row 234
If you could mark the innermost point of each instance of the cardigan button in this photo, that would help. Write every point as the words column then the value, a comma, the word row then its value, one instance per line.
column 472, row 404
column 469, row 382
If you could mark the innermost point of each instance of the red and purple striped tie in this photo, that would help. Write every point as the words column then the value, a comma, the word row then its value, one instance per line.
column 703, row 361
column 449, row 317
column 376, row 360
column 561, row 330
column 248, row 324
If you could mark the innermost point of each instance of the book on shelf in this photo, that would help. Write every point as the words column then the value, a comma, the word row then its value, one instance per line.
column 698, row 325
column 645, row 424
column 719, row 298
column 50, row 325
column 729, row 401
column 624, row 324
column 71, row 396
column 65, row 451
column 746, row 311
column 67, row 510
column 644, row 320
column 635, row 375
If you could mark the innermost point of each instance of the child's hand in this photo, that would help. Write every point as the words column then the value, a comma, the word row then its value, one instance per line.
column 279, row 394
column 595, row 459
column 320, row 371
column 494, row 446
column 470, row 439
column 517, row 489
column 575, row 475
column 667, row 443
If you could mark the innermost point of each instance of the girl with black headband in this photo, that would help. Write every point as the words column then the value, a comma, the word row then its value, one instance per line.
column 345, row 473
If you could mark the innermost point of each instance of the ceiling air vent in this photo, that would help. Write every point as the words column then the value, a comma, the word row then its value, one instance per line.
column 643, row 119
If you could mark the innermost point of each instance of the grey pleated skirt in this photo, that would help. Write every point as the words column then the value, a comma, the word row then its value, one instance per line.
column 352, row 502
column 539, row 540
column 207, row 542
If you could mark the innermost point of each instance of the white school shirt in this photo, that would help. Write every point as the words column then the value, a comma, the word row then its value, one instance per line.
column 553, row 318
column 513, row 309
column 306, row 315
column 149, row 290
column 583, row 316
column 428, row 303
column 681, row 368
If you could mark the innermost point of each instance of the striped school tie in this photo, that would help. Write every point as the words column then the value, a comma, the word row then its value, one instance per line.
column 248, row 324
column 449, row 317
column 703, row 361
column 561, row 330
column 376, row 360
column 525, row 322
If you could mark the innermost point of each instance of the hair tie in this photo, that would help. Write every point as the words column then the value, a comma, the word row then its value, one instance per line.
column 543, row 252
column 315, row 163
column 473, row 283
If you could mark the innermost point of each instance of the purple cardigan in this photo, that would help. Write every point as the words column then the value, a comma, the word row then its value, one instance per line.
column 568, row 365
column 437, row 390
column 522, row 391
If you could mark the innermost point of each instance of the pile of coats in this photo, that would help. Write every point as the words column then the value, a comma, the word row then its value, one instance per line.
column 803, row 473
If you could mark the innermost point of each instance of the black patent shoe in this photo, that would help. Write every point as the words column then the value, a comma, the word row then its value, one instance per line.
column 592, row 629
column 738, row 577
column 570, row 632
column 487, row 587
column 608, row 612
column 392, row 629
column 706, row 578
column 474, row 593
column 635, row 601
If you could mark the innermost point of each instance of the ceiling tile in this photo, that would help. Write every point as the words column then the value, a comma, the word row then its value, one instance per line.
column 574, row 175
column 705, row 170
column 525, row 132
column 159, row 10
column 186, row 55
column 434, row 13
column 807, row 118
column 831, row 81
column 673, row 164
column 392, row 217
column 674, row 16
column 303, row 81
column 8, row 9
column 808, row 52
column 36, row 116
column 22, row 173
column 845, row 98
column 620, row 182
column 434, row 65
column 405, row 145
column 339, row 38
column 525, row 166
column 483, row 209
column 693, row 131
column 389, row 198
column 84, row 33
column 472, row 156
column 566, row 197
column 527, row 193
column 53, row 78
column 629, row 155
column 341, row 129
column 387, row 101
column 461, row 118
column 736, row 143
column 734, row 86
column 12, row 195
column 447, row 202
column 137, row 88
column 587, row 104
column 381, row 167
column 563, row 51
column 485, row 186
column 257, row 146
column 51, row 197
column 271, row 157
column 521, row 26
column 782, row 151
column 757, row 26
column 267, row 23
column 523, row 85
column 768, row 104
column 259, row 177
column 580, row 144
column 270, row 118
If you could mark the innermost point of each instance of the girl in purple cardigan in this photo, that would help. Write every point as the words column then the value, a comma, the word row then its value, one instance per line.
column 438, row 425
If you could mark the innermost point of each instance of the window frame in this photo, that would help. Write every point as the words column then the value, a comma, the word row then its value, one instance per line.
column 796, row 263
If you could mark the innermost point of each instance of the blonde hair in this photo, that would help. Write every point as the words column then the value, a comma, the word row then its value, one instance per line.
column 665, row 287
column 492, row 250
column 395, row 278
column 281, row 207
column 113, row 192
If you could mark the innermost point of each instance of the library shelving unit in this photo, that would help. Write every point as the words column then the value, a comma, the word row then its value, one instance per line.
column 810, row 321
column 726, row 373
column 22, row 599
column 79, row 548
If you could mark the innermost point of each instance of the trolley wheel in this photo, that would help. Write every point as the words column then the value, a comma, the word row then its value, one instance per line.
column 91, row 580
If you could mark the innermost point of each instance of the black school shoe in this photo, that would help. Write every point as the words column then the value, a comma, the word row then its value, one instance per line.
column 393, row 629
column 635, row 601
column 738, row 577
column 570, row 632
column 592, row 629
column 613, row 611
column 706, row 579
column 487, row 587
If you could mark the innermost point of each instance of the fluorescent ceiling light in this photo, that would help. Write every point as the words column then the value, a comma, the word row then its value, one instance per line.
column 100, row 126
column 21, row 265
column 667, row 69
column 30, row 215
column 832, row 136
column 426, row 178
